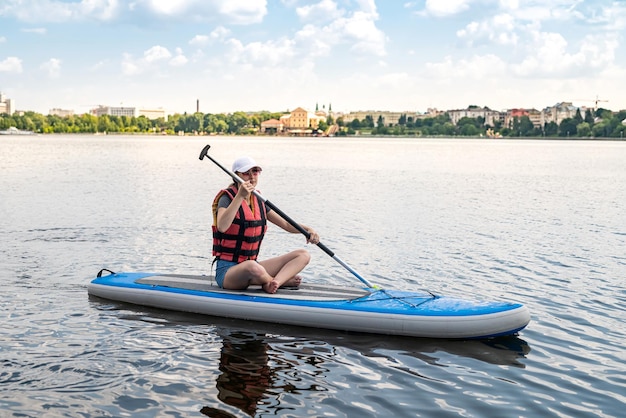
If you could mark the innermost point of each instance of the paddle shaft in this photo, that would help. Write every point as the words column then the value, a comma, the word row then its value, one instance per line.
column 235, row 177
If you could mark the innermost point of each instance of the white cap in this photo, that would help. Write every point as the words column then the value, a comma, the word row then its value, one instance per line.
column 243, row 164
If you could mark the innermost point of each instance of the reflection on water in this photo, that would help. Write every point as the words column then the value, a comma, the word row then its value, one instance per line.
column 246, row 374
column 260, row 363
column 266, row 367
column 248, row 379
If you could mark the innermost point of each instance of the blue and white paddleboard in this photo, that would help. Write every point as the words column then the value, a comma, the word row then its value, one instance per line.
column 392, row 312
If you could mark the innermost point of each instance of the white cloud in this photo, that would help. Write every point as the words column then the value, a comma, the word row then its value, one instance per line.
column 263, row 54
column 549, row 56
column 233, row 11
column 366, row 36
column 199, row 40
column 315, row 41
column 479, row 67
column 358, row 30
column 612, row 16
column 499, row 29
column 219, row 33
column 2, row 39
column 600, row 50
column 325, row 10
column 60, row 11
column 441, row 8
column 242, row 11
column 151, row 60
column 52, row 67
column 179, row 60
column 156, row 53
column 368, row 6
column 165, row 7
column 11, row 65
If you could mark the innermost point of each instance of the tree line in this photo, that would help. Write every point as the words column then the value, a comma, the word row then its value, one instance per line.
column 238, row 123
column 602, row 123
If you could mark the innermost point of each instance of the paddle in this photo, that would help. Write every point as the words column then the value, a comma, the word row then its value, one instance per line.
column 235, row 177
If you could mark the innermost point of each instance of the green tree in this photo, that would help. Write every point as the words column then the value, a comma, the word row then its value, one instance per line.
column 216, row 124
column 551, row 129
column 567, row 127
column 105, row 124
column 237, row 122
column 578, row 117
column 355, row 124
column 583, row 129
column 468, row 130
column 525, row 126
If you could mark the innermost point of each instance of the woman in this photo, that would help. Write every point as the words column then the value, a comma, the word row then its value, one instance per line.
column 239, row 224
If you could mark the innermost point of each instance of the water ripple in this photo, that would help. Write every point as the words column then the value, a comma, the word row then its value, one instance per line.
column 521, row 221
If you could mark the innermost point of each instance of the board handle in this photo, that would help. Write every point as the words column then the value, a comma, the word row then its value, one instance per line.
column 102, row 271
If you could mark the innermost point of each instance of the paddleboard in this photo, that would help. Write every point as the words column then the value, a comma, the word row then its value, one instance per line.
column 380, row 311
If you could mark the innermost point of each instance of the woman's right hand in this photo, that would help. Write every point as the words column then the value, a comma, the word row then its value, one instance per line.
column 245, row 189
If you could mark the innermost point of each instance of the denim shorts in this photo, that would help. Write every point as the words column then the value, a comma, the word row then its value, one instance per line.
column 221, row 269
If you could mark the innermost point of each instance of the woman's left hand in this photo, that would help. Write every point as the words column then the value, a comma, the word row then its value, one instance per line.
column 314, row 237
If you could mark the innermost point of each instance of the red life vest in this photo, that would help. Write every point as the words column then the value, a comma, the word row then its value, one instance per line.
column 242, row 240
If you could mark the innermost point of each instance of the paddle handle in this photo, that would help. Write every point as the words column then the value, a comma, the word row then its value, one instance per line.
column 235, row 177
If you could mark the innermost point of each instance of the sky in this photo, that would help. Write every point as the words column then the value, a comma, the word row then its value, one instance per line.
column 277, row 55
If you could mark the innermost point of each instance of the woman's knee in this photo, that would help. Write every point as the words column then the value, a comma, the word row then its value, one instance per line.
column 253, row 269
column 304, row 255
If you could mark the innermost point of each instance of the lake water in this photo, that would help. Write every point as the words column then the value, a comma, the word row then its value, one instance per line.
column 538, row 222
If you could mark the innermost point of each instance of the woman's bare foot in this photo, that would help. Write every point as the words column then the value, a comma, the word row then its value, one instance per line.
column 270, row 287
column 293, row 282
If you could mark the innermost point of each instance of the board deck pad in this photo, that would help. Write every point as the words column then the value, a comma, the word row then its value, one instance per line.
column 306, row 291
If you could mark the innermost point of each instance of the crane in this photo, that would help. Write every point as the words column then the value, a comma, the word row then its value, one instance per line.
column 596, row 101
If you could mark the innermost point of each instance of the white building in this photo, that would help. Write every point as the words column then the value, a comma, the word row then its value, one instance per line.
column 152, row 113
column 6, row 105
column 561, row 111
column 61, row 112
column 114, row 111
column 490, row 116
column 388, row 118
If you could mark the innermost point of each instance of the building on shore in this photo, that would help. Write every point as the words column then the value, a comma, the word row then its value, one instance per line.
column 6, row 105
column 273, row 126
column 300, row 121
column 61, row 112
column 114, row 111
column 132, row 112
column 490, row 116
column 562, row 111
column 152, row 113
column 536, row 117
column 388, row 118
